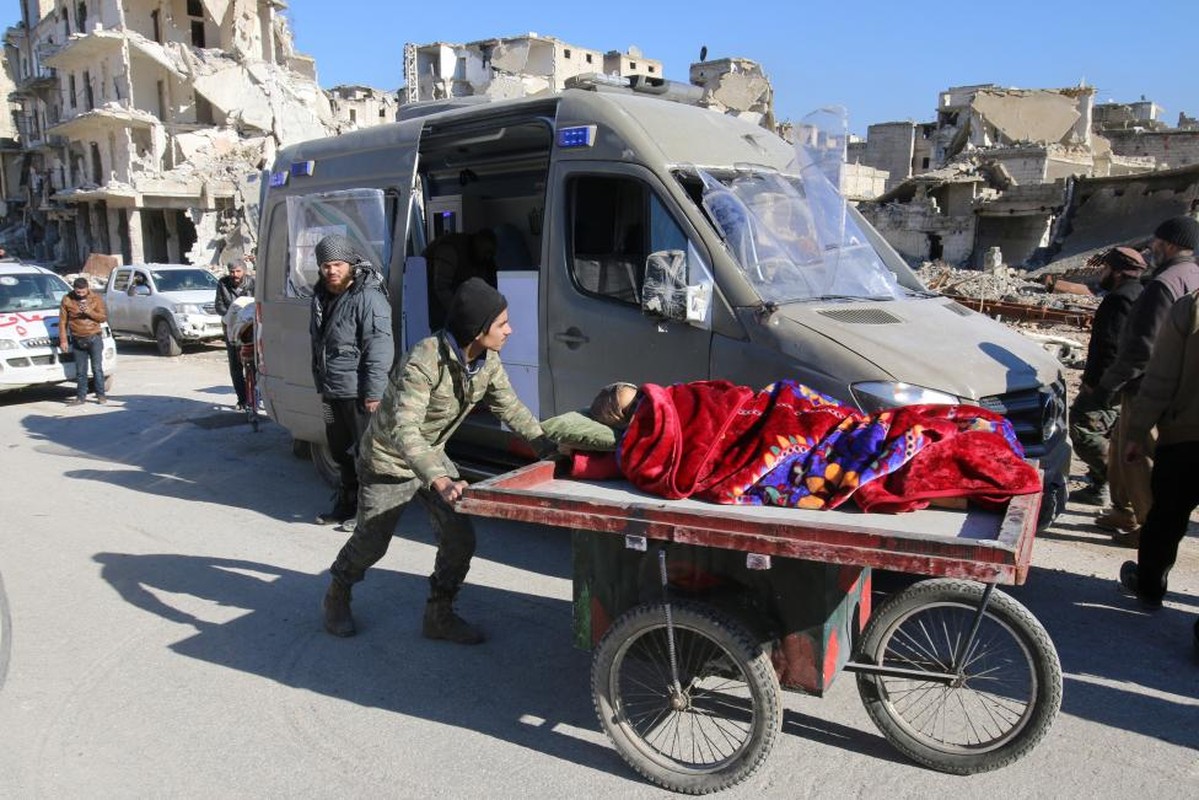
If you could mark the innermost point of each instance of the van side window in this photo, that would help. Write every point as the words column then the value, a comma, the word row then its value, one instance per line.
column 615, row 224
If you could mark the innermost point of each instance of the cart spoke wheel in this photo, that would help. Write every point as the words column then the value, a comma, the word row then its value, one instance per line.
column 1008, row 687
column 712, row 731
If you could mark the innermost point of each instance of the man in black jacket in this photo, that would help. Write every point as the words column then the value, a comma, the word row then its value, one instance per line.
column 234, row 285
column 352, row 351
column 1175, row 275
column 1090, row 425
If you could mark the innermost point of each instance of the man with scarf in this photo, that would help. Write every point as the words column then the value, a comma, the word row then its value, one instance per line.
column 352, row 351
column 403, row 458
column 234, row 285
column 1091, row 427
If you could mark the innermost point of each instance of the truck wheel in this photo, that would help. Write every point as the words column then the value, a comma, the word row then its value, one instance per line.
column 168, row 345
column 1006, row 695
column 326, row 467
column 712, row 730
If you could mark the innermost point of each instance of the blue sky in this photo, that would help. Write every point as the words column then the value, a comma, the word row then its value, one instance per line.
column 882, row 60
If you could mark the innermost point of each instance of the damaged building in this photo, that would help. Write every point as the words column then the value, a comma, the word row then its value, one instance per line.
column 516, row 66
column 141, row 120
column 356, row 107
column 522, row 66
column 997, row 167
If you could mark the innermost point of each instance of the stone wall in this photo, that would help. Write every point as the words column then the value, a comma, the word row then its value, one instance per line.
column 889, row 147
column 1172, row 149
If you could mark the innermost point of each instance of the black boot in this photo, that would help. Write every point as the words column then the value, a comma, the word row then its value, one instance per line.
column 345, row 507
column 336, row 607
column 442, row 623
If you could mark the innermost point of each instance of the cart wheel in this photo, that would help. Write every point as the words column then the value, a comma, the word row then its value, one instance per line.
column 1008, row 691
column 723, row 724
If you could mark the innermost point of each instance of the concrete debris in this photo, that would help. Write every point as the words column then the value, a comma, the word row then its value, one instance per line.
column 1005, row 284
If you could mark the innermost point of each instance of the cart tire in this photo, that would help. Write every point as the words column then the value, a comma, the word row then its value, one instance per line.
column 732, row 712
column 1011, row 688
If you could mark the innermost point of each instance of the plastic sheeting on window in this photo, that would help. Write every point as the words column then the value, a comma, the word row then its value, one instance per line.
column 793, row 239
column 358, row 214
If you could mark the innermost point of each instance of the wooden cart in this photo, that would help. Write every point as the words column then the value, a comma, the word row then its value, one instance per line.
column 700, row 613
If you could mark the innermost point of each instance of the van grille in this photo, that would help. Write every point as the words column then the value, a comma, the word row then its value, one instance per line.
column 1037, row 415
column 860, row 316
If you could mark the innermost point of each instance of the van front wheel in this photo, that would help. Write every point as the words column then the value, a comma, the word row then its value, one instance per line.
column 164, row 337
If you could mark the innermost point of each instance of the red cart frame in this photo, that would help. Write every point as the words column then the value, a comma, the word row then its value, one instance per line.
column 957, row 676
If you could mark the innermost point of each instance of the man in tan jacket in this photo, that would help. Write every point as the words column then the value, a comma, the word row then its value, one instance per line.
column 81, row 314
column 1168, row 399
column 402, row 455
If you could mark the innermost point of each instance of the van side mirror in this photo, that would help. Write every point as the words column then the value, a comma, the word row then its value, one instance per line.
column 665, row 292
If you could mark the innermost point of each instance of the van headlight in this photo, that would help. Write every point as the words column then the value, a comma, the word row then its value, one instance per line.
column 877, row 395
column 9, row 344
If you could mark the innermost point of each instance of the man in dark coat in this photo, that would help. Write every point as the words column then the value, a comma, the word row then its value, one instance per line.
column 352, row 351
column 1175, row 275
column 234, row 285
column 1090, row 428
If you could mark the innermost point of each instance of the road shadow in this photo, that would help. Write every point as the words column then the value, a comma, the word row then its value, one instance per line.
column 196, row 452
column 524, row 685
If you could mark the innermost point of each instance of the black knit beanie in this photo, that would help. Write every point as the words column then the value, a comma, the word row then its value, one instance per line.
column 472, row 310
column 336, row 247
column 1181, row 232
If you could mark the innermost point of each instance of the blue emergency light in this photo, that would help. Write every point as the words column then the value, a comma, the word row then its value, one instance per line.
column 576, row 136
column 278, row 179
column 302, row 169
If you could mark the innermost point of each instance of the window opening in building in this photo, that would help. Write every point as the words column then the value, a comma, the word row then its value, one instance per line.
column 97, row 166
column 195, row 8
column 566, row 52
column 73, row 88
column 198, row 33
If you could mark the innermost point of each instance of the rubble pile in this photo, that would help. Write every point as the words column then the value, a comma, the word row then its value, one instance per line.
column 1003, row 284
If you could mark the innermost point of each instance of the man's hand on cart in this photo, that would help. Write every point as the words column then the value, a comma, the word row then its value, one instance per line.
column 449, row 489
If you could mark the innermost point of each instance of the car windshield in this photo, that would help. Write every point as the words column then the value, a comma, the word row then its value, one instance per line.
column 36, row 292
column 184, row 280
column 795, row 240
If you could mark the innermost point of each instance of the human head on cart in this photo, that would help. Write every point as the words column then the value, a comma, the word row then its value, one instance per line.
column 615, row 404
column 477, row 318
column 336, row 258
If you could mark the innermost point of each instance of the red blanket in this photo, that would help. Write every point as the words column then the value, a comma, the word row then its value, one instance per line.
column 789, row 445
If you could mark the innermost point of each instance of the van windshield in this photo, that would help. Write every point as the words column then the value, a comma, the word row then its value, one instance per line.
column 794, row 242
column 31, row 292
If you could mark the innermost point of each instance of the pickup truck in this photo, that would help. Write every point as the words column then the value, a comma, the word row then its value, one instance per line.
column 171, row 304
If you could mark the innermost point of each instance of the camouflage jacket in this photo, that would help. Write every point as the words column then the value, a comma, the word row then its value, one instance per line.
column 427, row 396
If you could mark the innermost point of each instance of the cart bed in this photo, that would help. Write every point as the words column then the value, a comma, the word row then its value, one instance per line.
column 980, row 545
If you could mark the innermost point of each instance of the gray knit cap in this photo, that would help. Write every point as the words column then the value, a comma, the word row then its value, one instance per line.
column 336, row 247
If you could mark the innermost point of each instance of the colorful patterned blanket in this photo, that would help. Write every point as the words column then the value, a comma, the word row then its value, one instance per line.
column 789, row 445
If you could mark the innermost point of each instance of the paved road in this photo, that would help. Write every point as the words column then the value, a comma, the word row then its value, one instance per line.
column 159, row 582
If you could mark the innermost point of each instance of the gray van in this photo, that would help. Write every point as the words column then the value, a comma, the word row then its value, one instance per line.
column 638, row 239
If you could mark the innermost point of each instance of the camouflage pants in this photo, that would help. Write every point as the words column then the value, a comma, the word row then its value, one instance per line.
column 381, row 501
column 1090, row 433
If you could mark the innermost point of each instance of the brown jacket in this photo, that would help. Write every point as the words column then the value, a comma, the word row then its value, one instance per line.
column 1169, row 393
column 81, row 319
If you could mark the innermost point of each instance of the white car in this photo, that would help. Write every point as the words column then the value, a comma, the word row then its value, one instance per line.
column 173, row 304
column 29, row 354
